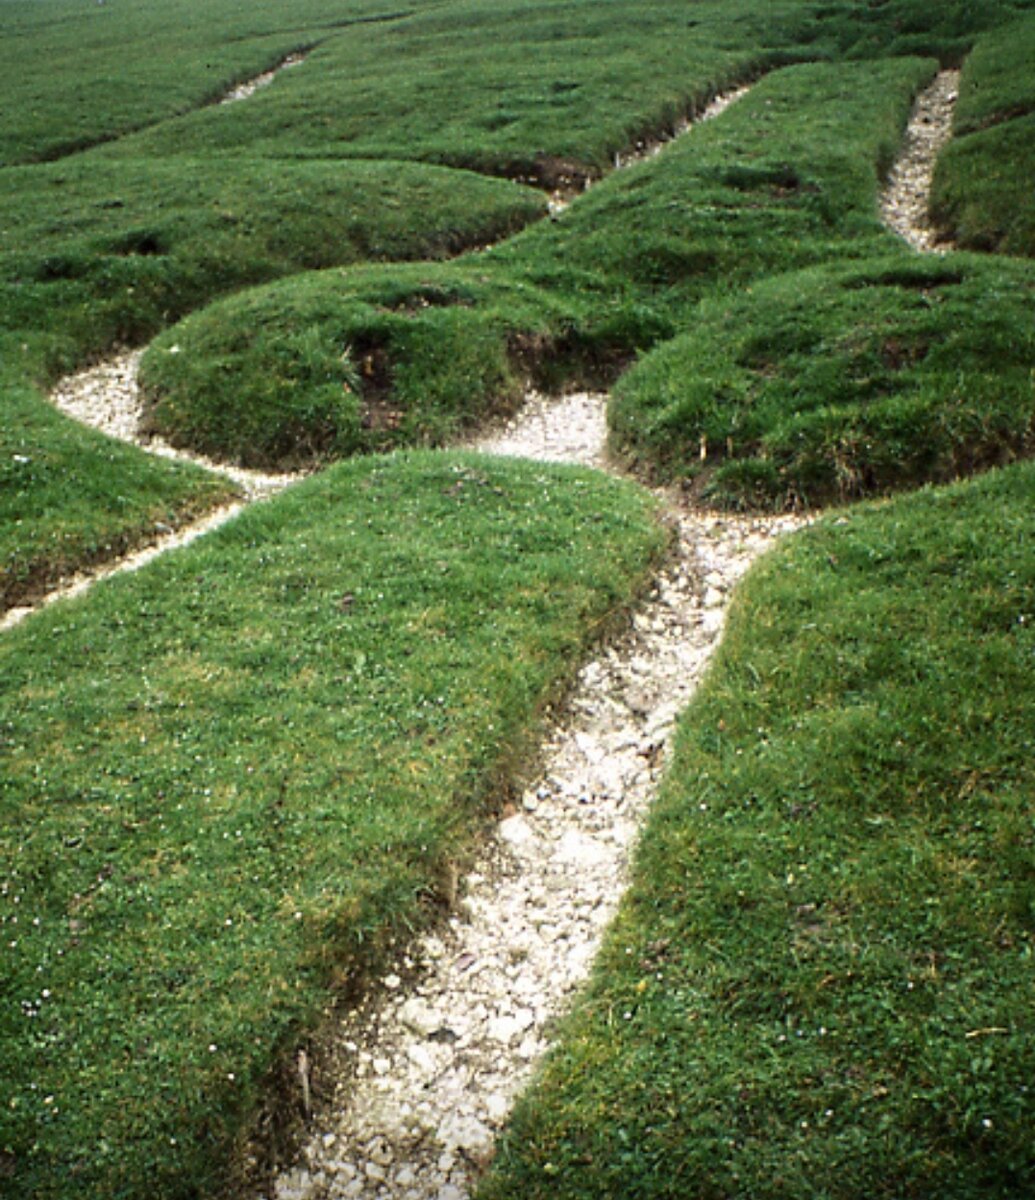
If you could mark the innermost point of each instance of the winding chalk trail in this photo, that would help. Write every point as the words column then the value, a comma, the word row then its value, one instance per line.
column 427, row 1069
column 904, row 203
column 243, row 90
column 108, row 398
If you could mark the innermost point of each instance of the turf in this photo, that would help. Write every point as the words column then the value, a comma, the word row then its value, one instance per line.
column 820, row 982
column 70, row 497
column 841, row 382
column 338, row 688
column 108, row 254
column 333, row 362
column 230, row 778
column 441, row 86
column 337, row 363
column 63, row 95
column 981, row 196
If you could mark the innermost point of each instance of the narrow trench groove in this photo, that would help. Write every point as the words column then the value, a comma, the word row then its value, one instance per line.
column 904, row 203
column 561, row 198
column 427, row 1070
column 107, row 397
column 242, row 91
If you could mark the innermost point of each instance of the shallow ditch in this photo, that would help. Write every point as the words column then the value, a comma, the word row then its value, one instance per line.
column 427, row 1070
column 107, row 397
column 242, row 91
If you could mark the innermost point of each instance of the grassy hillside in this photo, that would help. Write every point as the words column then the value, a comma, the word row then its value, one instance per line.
column 229, row 780
column 785, row 177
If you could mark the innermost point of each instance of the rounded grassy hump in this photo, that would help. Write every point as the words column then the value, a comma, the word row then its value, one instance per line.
column 840, row 382
column 335, row 363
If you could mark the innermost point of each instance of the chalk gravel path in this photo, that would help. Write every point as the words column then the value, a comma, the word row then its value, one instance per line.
column 433, row 1064
column 428, row 1067
column 904, row 203
column 108, row 398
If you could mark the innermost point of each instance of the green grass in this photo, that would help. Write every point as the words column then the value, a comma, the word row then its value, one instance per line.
column 981, row 196
column 820, row 983
column 787, row 176
column 228, row 779
column 113, row 252
column 441, row 86
column 110, row 253
column 337, row 362
column 997, row 82
column 841, row 382
column 70, row 497
column 63, row 91
column 231, row 779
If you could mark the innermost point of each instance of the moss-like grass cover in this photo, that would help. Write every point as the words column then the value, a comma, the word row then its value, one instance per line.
column 376, row 646
column 981, row 195
column 330, row 364
column 334, row 362
column 840, row 382
column 230, row 778
column 821, row 982
column 64, row 93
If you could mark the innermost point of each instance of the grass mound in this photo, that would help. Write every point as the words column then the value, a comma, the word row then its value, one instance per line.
column 337, row 363
column 331, row 364
column 786, row 177
column 841, row 382
column 820, row 983
column 111, row 253
column 227, row 780
column 981, row 196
